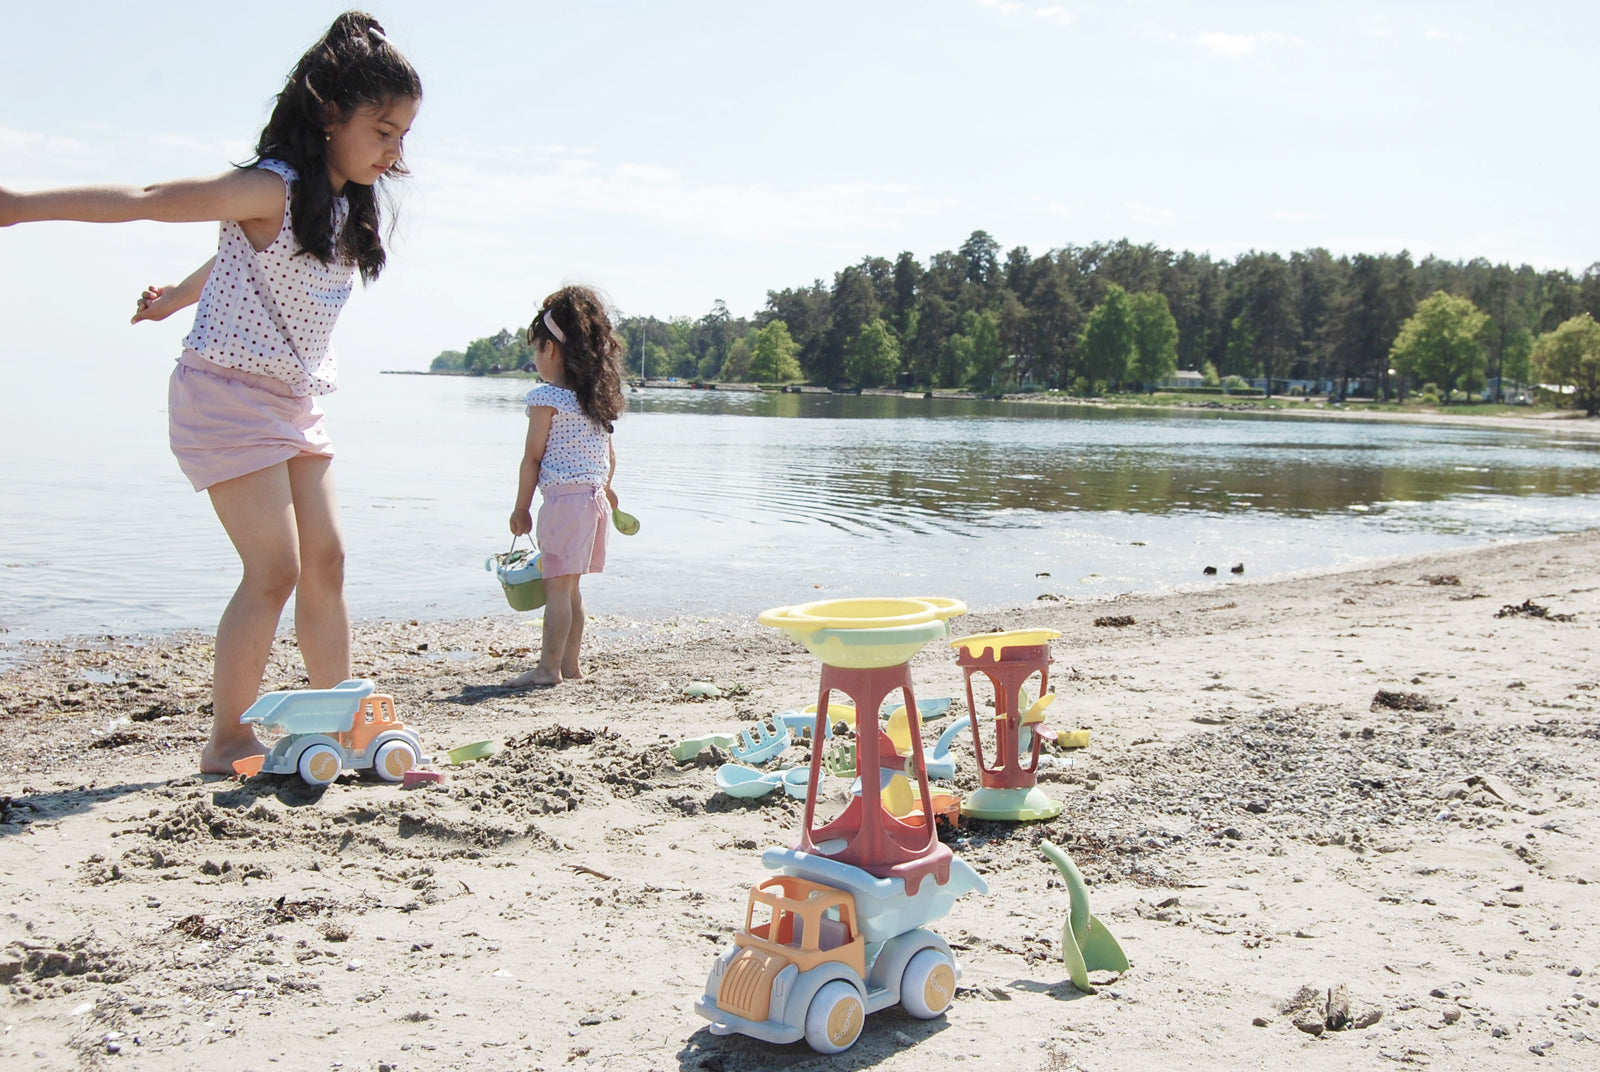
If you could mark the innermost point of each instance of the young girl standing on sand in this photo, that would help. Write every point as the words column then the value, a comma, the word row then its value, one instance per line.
column 297, row 225
column 568, row 457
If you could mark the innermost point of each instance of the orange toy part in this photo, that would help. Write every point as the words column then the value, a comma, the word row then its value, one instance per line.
column 805, row 924
column 376, row 715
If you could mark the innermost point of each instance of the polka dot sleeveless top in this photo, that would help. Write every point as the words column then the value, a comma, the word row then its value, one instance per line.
column 271, row 312
column 579, row 449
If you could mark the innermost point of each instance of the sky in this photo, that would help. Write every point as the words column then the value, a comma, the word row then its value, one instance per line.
column 678, row 153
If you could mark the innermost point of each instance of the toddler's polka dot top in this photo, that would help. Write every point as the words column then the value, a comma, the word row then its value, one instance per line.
column 579, row 449
column 270, row 312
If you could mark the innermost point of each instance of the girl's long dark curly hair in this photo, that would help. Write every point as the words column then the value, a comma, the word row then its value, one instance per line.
column 351, row 67
column 590, row 356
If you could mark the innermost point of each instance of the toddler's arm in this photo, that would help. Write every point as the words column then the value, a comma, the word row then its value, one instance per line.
column 158, row 303
column 539, row 418
column 611, row 496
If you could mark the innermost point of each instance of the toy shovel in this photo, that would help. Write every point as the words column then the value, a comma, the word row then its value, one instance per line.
column 626, row 523
column 1086, row 945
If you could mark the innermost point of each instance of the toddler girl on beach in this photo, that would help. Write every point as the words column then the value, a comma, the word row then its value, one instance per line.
column 568, row 457
column 297, row 225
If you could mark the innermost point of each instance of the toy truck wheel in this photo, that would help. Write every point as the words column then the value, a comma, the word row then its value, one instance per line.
column 928, row 985
column 392, row 760
column 320, row 764
column 835, row 1017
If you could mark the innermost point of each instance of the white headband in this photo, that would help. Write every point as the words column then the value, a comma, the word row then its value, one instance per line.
column 550, row 322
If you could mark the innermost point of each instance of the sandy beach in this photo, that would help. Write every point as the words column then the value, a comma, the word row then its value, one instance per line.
column 1378, row 785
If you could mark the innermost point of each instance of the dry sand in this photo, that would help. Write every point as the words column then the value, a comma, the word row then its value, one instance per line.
column 1259, row 827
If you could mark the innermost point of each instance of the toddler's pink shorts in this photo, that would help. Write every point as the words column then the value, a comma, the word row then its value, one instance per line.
column 571, row 531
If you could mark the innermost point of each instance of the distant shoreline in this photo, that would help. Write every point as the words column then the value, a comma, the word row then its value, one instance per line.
column 1572, row 421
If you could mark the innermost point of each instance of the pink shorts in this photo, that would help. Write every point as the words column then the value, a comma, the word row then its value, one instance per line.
column 572, row 529
column 225, row 423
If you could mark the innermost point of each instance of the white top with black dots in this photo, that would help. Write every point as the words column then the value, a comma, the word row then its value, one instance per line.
column 270, row 312
column 579, row 448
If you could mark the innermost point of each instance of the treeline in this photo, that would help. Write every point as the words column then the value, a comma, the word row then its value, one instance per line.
column 1107, row 316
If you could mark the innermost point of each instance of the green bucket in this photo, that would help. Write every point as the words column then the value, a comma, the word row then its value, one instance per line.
column 521, row 577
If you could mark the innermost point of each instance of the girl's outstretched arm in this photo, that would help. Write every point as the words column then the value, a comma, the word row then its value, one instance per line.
column 246, row 194
column 539, row 418
column 158, row 303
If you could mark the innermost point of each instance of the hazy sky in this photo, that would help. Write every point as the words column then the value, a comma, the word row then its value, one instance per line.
column 677, row 153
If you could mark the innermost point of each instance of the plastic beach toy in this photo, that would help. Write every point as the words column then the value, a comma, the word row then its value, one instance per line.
column 521, row 575
column 466, row 753
column 1008, row 777
column 865, row 633
column 766, row 742
column 1086, row 945
column 737, row 780
column 692, row 746
column 329, row 731
column 625, row 523
column 842, row 930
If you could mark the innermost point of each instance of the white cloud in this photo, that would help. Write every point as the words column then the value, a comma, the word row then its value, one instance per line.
column 1237, row 46
column 1434, row 33
column 1293, row 217
column 1058, row 15
column 518, row 188
column 1159, row 217
column 1005, row 7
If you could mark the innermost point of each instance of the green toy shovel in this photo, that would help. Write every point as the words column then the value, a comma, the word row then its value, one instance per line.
column 1086, row 945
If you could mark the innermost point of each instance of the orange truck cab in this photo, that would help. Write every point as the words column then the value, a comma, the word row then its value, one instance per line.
column 800, row 968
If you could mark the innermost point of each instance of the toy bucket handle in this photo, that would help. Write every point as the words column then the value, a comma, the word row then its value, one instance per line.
column 494, row 560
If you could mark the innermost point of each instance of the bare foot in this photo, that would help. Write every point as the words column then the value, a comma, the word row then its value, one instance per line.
column 219, row 756
column 571, row 673
column 537, row 678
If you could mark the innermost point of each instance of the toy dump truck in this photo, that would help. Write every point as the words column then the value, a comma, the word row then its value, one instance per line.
column 329, row 731
column 824, row 944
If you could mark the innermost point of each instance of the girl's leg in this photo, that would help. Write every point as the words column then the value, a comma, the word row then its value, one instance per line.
column 559, row 593
column 321, row 621
column 257, row 512
column 569, row 651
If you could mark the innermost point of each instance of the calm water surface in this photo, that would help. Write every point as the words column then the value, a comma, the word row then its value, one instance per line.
column 753, row 500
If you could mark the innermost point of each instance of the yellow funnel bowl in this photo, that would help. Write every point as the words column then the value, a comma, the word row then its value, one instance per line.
column 981, row 643
column 865, row 633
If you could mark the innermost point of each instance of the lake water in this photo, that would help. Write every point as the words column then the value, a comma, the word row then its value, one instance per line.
column 754, row 500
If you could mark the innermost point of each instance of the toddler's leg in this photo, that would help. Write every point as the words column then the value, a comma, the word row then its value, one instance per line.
column 559, row 593
column 569, row 653
column 321, row 622
column 257, row 512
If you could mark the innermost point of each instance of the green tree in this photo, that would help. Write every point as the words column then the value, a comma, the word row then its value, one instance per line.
column 1569, row 356
column 984, row 352
column 872, row 357
column 774, row 356
column 481, row 356
column 1155, row 338
column 1107, row 343
column 736, row 366
column 448, row 361
column 1441, row 343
